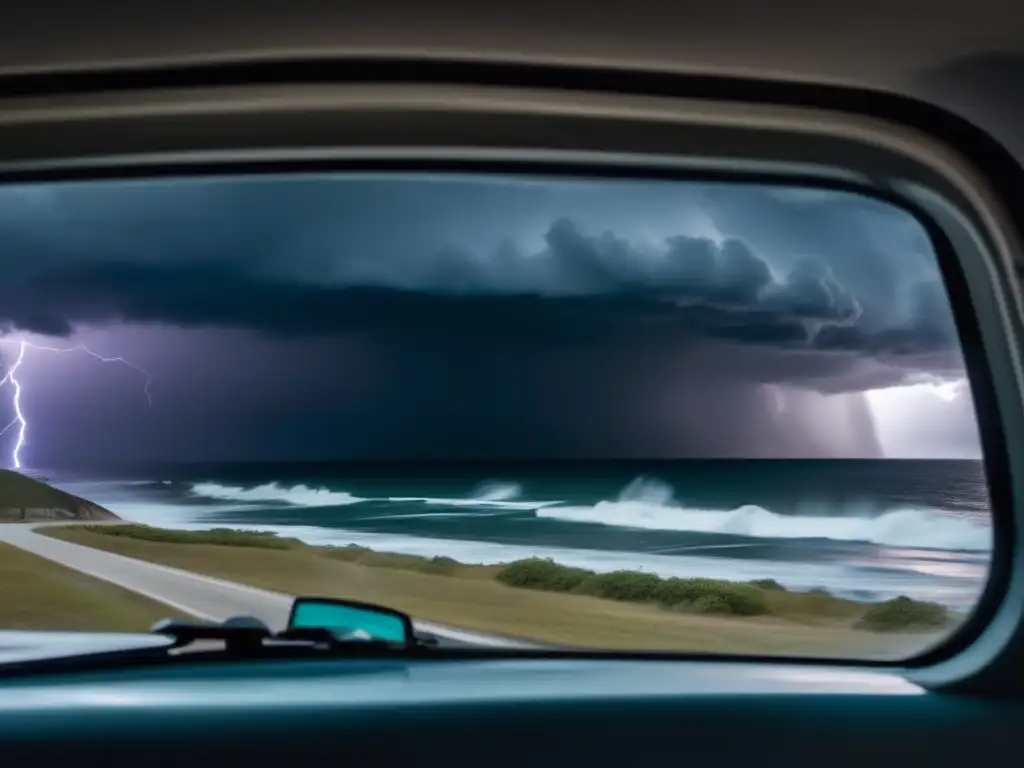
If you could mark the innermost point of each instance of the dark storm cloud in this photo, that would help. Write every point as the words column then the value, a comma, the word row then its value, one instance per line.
column 582, row 286
column 481, row 319
column 276, row 275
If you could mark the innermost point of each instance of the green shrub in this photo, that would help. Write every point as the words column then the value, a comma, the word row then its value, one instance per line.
column 902, row 613
column 354, row 554
column 226, row 537
column 710, row 603
column 815, row 604
column 675, row 591
column 628, row 586
column 542, row 573
column 440, row 565
column 767, row 584
column 741, row 599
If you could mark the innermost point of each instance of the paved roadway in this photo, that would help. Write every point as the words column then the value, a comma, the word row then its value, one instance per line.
column 201, row 596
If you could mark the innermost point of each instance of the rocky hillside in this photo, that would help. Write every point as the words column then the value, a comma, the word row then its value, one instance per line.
column 23, row 499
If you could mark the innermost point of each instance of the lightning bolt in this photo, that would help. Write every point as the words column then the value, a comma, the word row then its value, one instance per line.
column 19, row 416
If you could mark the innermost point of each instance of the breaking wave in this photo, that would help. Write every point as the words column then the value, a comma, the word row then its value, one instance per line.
column 497, row 491
column 296, row 495
column 493, row 494
column 648, row 503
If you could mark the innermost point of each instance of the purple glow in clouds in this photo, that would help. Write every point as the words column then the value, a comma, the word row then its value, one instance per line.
column 19, row 416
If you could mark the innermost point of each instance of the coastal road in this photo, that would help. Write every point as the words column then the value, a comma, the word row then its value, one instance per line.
column 195, row 594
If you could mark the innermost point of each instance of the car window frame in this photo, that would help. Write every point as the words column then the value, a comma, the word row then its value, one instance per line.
column 156, row 131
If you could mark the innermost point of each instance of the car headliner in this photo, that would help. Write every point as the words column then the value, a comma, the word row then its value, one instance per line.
column 965, row 56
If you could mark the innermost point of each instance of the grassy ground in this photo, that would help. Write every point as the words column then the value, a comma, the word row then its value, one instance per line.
column 36, row 593
column 473, row 597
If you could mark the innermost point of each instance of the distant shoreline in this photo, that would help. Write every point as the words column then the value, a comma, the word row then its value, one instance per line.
column 26, row 499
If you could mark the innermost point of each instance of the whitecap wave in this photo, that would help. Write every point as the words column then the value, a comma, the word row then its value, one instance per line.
column 648, row 504
column 526, row 505
column 494, row 490
column 488, row 495
column 495, row 494
column 170, row 515
column 296, row 495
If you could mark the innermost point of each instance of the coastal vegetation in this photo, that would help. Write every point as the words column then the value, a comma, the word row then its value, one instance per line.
column 543, row 600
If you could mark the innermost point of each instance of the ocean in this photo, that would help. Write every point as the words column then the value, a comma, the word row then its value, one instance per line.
column 869, row 530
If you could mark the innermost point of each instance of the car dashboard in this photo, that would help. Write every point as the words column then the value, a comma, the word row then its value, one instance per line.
column 501, row 711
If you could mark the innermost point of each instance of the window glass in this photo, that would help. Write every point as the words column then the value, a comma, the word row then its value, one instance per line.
column 621, row 415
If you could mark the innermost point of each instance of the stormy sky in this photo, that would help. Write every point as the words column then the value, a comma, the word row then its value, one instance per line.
column 418, row 317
